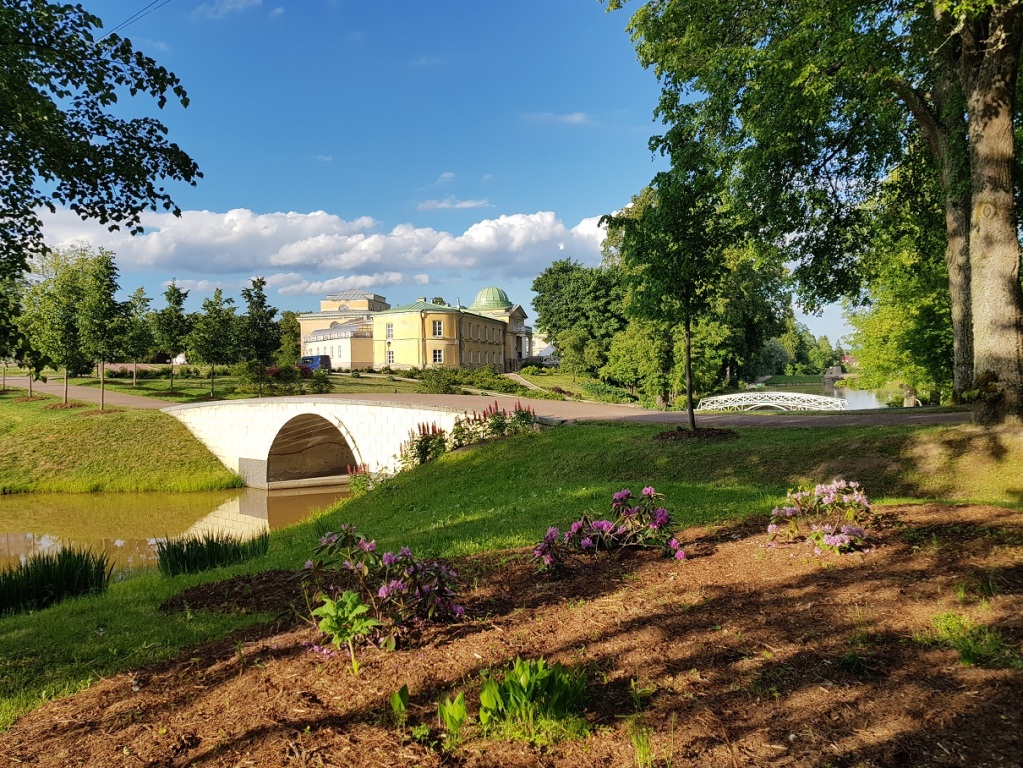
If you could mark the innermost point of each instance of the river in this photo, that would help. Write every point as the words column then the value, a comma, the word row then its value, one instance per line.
column 127, row 525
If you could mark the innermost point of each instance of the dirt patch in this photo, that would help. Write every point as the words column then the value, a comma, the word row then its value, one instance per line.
column 747, row 655
column 63, row 406
column 700, row 433
column 30, row 399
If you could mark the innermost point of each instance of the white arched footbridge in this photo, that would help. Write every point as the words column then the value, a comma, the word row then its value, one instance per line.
column 778, row 401
column 306, row 440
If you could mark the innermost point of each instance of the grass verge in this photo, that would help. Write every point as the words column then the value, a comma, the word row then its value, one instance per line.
column 48, row 448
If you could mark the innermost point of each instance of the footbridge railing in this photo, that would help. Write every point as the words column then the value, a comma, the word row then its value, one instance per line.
column 779, row 401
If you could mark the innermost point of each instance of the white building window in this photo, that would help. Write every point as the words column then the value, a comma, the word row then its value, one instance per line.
column 438, row 356
column 390, row 357
column 486, row 358
column 389, row 330
column 438, row 328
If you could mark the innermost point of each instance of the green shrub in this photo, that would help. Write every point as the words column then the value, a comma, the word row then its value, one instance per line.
column 438, row 381
column 49, row 578
column 531, row 370
column 605, row 393
column 982, row 646
column 321, row 382
column 202, row 552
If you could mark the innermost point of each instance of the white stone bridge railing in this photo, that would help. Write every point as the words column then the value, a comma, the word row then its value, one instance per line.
column 779, row 401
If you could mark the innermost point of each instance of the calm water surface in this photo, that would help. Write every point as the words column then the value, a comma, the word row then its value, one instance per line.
column 127, row 525
column 858, row 399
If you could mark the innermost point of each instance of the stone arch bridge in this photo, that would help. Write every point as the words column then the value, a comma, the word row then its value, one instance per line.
column 306, row 440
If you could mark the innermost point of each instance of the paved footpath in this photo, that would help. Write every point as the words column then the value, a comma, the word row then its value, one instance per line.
column 567, row 410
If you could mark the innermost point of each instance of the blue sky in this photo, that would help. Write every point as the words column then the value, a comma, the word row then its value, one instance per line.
column 411, row 149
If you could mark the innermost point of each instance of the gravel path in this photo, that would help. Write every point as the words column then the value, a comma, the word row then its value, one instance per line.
column 568, row 410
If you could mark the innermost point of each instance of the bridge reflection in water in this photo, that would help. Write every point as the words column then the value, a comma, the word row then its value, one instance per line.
column 127, row 525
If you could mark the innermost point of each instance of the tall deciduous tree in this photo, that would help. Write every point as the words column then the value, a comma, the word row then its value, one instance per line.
column 50, row 317
column 171, row 325
column 672, row 252
column 63, row 144
column 213, row 338
column 261, row 335
column 815, row 99
column 290, row 351
column 137, row 339
column 101, row 314
column 572, row 297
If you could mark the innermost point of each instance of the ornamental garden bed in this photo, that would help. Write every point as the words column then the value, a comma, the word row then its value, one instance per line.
column 743, row 654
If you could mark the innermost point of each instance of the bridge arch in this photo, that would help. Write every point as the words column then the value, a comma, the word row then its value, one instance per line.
column 308, row 446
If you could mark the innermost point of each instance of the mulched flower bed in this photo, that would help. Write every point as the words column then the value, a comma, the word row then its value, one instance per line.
column 751, row 655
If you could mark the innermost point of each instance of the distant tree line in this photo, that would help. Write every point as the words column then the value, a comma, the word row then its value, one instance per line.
column 66, row 307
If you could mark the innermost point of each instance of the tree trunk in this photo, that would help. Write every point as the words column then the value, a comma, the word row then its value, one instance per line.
column 943, row 126
column 213, row 372
column 991, row 64
column 66, row 376
column 689, row 372
column 102, row 384
column 135, row 373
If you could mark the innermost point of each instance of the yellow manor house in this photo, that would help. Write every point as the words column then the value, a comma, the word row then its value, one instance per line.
column 358, row 329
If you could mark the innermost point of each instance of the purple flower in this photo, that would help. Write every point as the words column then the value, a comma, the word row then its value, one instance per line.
column 586, row 543
column 771, row 528
column 674, row 544
column 660, row 518
column 622, row 495
column 397, row 585
column 389, row 558
column 367, row 546
column 405, row 552
column 604, row 526
column 630, row 511
column 328, row 539
column 576, row 526
column 680, row 555
column 552, row 535
column 308, row 565
column 649, row 491
column 458, row 611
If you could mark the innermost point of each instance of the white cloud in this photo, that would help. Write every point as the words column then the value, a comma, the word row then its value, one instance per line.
column 277, row 12
column 445, row 178
column 451, row 203
column 218, row 9
column 325, row 158
column 572, row 118
column 311, row 252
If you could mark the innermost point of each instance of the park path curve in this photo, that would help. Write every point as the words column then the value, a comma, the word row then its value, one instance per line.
column 566, row 410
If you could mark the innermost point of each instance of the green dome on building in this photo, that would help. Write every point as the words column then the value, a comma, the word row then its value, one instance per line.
column 491, row 297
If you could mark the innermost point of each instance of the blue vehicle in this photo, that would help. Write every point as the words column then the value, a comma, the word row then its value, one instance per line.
column 315, row 362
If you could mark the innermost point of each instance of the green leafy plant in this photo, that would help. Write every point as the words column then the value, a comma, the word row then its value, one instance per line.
column 202, row 552
column 534, row 701
column 345, row 621
column 452, row 716
column 399, row 706
column 639, row 735
column 981, row 645
column 49, row 578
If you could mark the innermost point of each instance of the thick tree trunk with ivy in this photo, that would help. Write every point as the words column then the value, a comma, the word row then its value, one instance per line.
column 991, row 60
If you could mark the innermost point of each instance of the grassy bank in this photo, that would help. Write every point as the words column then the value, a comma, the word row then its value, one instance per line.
column 506, row 494
column 45, row 447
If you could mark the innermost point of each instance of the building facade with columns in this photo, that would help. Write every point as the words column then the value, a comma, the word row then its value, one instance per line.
column 489, row 332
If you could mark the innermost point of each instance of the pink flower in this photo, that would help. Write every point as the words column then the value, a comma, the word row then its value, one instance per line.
column 648, row 491
column 680, row 555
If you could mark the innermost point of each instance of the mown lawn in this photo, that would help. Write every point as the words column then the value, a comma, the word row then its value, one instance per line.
column 45, row 447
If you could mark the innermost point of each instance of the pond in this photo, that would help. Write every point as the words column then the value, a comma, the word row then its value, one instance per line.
column 127, row 525
column 858, row 399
